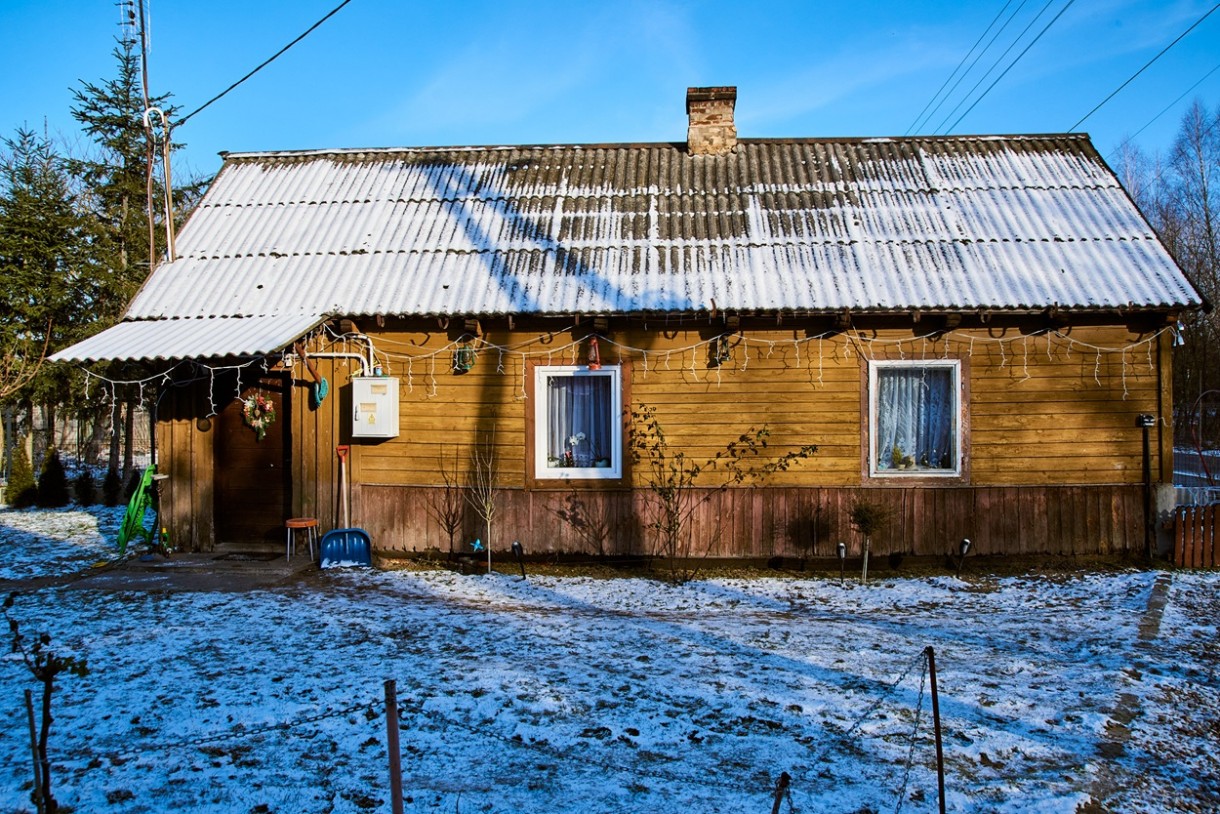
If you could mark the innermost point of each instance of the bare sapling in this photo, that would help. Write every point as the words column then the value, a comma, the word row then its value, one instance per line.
column 448, row 503
column 677, row 485
column 482, row 492
column 45, row 665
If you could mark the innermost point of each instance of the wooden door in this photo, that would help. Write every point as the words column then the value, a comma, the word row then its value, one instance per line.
column 253, row 490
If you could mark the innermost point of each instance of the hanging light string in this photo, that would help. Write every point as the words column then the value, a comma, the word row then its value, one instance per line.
column 848, row 342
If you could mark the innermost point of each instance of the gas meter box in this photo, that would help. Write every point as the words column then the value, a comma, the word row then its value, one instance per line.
column 374, row 407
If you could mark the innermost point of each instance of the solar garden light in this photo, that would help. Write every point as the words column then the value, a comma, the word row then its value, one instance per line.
column 963, row 549
column 518, row 552
column 842, row 560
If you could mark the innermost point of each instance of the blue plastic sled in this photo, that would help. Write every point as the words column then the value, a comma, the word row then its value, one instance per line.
column 346, row 547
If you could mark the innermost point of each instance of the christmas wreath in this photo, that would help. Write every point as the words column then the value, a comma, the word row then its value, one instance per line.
column 258, row 413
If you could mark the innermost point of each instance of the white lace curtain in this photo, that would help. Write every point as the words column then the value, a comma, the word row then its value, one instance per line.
column 579, row 420
column 915, row 418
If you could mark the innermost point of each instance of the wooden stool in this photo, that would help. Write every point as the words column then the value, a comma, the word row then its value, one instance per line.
column 307, row 524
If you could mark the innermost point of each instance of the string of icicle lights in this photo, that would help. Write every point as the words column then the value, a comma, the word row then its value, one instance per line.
column 816, row 350
column 1015, row 353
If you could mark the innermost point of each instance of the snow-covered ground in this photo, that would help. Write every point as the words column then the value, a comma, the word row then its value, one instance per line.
column 570, row 694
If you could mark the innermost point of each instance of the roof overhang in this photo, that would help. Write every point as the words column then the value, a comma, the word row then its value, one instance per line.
column 200, row 338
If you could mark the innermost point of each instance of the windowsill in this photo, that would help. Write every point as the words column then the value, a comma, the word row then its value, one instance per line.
column 913, row 478
column 595, row 473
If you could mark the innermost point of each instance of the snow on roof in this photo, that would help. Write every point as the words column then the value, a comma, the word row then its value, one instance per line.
column 953, row 223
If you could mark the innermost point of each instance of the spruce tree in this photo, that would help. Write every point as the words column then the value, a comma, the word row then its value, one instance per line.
column 52, row 482
column 47, row 286
column 22, row 492
column 111, row 114
column 112, row 489
column 84, row 488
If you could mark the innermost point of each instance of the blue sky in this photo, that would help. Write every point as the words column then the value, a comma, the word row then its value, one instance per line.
column 389, row 73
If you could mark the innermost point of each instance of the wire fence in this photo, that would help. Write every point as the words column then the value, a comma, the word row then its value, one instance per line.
column 83, row 764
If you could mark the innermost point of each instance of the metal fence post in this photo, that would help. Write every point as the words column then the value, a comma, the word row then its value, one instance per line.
column 940, row 754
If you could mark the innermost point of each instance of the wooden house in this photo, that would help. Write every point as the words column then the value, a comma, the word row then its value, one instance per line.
column 969, row 329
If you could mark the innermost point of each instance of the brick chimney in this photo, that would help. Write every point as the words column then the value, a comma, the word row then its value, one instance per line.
column 711, row 130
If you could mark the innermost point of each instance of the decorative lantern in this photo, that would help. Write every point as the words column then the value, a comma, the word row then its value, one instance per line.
column 464, row 357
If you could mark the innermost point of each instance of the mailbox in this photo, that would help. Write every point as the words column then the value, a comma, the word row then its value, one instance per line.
column 374, row 407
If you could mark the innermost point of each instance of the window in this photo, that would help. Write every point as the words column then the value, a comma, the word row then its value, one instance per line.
column 915, row 418
column 578, row 427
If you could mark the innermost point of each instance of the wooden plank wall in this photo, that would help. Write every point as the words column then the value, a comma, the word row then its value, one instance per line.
column 780, row 521
column 1040, row 412
column 1196, row 529
column 184, row 444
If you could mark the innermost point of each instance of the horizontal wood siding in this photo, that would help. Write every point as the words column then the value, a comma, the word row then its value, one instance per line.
column 1051, row 410
column 1051, row 444
column 1040, row 409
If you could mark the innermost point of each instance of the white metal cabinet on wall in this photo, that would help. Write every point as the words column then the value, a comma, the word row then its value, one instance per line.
column 374, row 407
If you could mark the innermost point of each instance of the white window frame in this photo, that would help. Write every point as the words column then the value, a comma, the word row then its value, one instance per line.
column 953, row 365
column 542, row 376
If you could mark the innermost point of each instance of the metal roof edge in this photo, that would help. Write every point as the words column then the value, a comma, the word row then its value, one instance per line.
column 474, row 148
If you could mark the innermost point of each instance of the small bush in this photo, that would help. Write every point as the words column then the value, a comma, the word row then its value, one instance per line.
column 53, row 483
column 85, row 487
column 112, row 489
column 22, row 491
column 869, row 518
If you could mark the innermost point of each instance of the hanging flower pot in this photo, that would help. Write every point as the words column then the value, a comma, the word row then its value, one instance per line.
column 259, row 413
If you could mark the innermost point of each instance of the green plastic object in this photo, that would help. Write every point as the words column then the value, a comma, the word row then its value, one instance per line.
column 137, row 508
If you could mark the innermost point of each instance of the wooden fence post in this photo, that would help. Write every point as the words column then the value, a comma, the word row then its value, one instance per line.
column 780, row 788
column 29, row 708
column 1194, row 537
column 391, row 727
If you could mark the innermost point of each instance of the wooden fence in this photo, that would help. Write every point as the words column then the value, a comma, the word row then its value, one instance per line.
column 1195, row 531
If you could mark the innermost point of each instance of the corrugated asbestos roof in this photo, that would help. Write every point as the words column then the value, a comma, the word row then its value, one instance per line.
column 867, row 225
column 172, row 339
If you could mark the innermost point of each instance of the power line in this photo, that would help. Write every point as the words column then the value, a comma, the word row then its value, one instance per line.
column 1014, row 62
column 1167, row 108
column 941, row 127
column 267, row 62
column 994, row 65
column 920, row 117
column 1072, row 129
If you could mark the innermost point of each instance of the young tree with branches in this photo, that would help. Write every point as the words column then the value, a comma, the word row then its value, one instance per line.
column 678, row 485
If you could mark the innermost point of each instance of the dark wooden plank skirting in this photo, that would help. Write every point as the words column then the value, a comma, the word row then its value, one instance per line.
column 778, row 522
